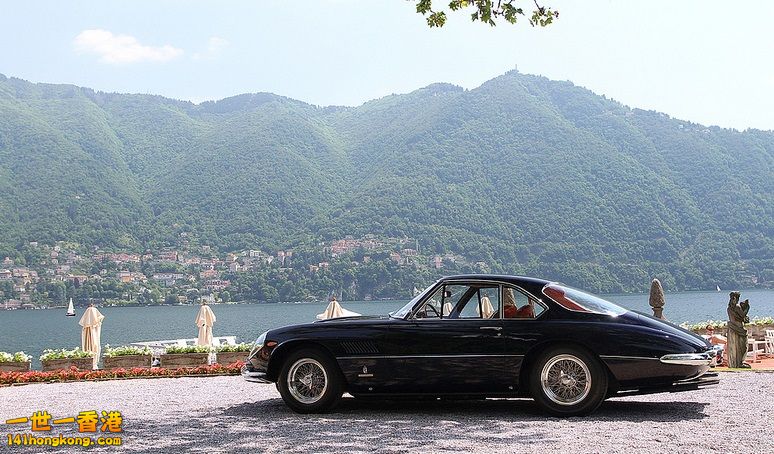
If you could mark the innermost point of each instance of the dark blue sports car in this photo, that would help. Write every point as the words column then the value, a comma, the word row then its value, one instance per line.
column 484, row 336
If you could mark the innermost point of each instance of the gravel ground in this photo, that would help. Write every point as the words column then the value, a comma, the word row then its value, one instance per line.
column 225, row 414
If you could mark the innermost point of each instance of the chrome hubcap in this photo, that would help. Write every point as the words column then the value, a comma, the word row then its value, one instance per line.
column 565, row 379
column 307, row 380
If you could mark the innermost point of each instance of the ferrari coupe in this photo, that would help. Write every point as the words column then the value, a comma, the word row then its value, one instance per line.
column 484, row 336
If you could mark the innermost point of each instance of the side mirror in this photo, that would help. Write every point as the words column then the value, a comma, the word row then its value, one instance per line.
column 447, row 293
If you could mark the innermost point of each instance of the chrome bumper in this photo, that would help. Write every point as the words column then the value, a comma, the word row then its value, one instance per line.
column 688, row 359
column 706, row 380
column 254, row 376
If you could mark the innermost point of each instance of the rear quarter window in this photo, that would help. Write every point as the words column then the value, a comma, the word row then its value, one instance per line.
column 579, row 301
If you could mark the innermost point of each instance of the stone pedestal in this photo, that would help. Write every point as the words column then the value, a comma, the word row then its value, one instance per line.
column 656, row 299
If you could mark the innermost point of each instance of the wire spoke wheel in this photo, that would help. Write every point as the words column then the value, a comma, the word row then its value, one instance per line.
column 307, row 380
column 565, row 379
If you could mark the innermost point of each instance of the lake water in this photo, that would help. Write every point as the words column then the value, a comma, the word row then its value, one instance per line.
column 34, row 331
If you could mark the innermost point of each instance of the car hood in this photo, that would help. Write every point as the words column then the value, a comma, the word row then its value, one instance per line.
column 301, row 329
column 354, row 317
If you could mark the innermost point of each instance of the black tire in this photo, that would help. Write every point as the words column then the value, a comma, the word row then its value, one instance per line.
column 315, row 384
column 568, row 381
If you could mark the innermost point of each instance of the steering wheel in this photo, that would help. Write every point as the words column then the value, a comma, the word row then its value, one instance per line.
column 435, row 311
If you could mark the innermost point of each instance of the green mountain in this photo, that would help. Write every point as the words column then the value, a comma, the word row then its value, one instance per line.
column 522, row 173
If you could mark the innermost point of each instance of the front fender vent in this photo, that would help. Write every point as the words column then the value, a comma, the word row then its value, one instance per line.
column 359, row 347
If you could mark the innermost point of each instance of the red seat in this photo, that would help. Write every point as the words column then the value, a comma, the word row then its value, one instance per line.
column 525, row 312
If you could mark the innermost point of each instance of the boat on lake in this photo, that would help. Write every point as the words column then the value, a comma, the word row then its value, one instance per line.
column 70, row 309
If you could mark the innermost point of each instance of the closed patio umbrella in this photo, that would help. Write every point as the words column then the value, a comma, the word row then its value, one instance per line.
column 334, row 310
column 204, row 320
column 486, row 310
column 90, row 334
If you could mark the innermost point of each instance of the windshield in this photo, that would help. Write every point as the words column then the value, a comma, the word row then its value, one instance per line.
column 405, row 310
column 576, row 300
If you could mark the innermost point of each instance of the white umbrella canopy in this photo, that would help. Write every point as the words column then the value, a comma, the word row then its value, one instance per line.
column 91, row 331
column 486, row 310
column 334, row 310
column 204, row 320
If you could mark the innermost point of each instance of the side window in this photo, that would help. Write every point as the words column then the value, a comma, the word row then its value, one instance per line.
column 459, row 301
column 478, row 302
column 433, row 306
column 519, row 305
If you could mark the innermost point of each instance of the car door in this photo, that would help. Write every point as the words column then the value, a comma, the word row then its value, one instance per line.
column 453, row 342
column 522, row 328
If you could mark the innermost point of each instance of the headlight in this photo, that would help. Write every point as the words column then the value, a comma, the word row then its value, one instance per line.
column 257, row 345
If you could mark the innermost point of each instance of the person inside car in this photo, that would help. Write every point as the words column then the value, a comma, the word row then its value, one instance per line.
column 510, row 310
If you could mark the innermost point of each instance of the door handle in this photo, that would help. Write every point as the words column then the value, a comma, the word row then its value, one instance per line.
column 496, row 328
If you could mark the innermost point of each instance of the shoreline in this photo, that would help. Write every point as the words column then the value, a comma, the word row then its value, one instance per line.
column 384, row 300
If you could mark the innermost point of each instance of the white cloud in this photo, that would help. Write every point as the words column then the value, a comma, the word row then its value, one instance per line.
column 122, row 49
column 214, row 46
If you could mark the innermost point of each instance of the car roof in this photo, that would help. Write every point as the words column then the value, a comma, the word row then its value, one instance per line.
column 516, row 280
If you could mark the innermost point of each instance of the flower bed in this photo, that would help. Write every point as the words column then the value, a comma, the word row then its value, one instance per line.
column 66, row 359
column 18, row 362
column 73, row 374
column 127, row 361
column 756, row 327
column 126, row 357
column 78, row 363
column 188, row 356
column 230, row 357
column 227, row 354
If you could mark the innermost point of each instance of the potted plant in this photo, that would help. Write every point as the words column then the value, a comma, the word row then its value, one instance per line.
column 18, row 362
column 186, row 356
column 65, row 359
column 706, row 327
column 126, row 356
column 758, row 326
column 229, row 354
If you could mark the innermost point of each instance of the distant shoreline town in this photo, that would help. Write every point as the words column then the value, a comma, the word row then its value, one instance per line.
column 370, row 267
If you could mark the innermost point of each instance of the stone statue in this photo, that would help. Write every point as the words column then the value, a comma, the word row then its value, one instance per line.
column 656, row 299
column 737, row 335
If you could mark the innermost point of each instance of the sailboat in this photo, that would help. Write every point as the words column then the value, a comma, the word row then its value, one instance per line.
column 717, row 287
column 70, row 309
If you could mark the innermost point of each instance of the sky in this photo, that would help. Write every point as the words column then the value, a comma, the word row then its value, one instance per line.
column 708, row 62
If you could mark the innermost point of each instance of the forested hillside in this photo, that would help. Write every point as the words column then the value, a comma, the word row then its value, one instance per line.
column 527, row 175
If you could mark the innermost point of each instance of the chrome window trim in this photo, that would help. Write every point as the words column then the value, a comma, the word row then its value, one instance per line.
column 499, row 283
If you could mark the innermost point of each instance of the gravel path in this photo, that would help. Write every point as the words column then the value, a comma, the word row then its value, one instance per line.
column 227, row 414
